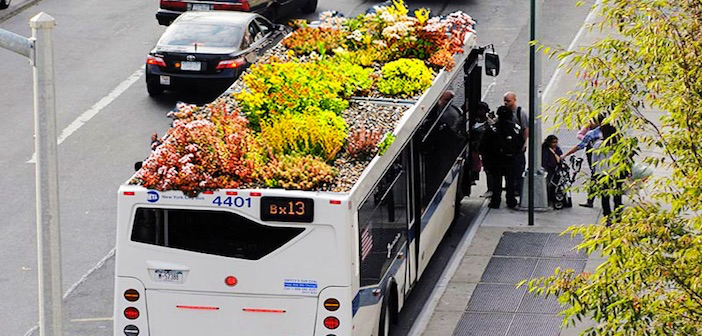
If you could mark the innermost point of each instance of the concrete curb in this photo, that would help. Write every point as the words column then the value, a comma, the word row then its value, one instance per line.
column 422, row 321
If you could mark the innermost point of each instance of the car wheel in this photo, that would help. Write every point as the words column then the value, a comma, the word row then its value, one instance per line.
column 153, row 88
column 310, row 7
column 4, row 4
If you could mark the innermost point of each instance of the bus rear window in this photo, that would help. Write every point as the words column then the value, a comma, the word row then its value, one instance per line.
column 211, row 232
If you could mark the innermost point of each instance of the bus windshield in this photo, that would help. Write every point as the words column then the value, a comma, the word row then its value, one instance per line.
column 211, row 232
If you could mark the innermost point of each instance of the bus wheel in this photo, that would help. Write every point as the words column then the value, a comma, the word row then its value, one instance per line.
column 385, row 319
column 459, row 197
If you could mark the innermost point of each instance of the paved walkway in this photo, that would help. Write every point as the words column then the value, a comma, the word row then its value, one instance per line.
column 481, row 298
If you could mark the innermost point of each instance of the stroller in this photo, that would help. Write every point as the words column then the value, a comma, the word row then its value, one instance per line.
column 563, row 179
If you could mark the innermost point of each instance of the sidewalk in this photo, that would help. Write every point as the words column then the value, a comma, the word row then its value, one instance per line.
column 481, row 298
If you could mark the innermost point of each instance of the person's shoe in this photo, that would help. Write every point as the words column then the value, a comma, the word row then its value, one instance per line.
column 486, row 194
column 493, row 206
column 512, row 206
column 586, row 204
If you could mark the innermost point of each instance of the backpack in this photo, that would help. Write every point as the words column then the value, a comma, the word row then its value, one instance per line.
column 509, row 138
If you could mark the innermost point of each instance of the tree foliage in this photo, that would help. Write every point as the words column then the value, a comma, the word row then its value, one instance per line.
column 651, row 281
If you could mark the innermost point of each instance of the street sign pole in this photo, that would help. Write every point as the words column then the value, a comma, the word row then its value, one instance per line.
column 48, row 224
column 39, row 50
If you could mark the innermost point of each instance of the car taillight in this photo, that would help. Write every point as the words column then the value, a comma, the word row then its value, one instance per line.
column 174, row 4
column 242, row 5
column 133, row 313
column 331, row 322
column 157, row 61
column 331, row 304
column 231, row 64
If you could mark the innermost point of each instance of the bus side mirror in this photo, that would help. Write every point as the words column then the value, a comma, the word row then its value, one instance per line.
column 492, row 63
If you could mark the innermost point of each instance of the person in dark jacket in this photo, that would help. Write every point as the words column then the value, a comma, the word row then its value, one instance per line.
column 500, row 159
column 550, row 160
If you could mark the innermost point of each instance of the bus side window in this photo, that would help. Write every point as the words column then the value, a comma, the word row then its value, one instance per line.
column 440, row 140
column 383, row 224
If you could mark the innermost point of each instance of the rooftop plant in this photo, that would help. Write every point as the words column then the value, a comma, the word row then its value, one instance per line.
column 277, row 88
column 405, row 77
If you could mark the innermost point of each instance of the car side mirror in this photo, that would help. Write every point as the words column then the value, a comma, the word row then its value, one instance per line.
column 492, row 63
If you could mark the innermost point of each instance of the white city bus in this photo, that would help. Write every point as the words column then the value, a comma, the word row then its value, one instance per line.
column 273, row 262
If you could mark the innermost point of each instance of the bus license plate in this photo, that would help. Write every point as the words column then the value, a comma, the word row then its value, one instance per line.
column 168, row 276
column 190, row 66
column 201, row 7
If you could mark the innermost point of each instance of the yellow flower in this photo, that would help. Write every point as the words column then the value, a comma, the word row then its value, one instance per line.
column 422, row 15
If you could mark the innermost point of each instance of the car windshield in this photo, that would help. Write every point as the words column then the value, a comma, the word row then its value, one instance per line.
column 205, row 35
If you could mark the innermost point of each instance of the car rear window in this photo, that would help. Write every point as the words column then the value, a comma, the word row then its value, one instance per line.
column 211, row 232
column 205, row 35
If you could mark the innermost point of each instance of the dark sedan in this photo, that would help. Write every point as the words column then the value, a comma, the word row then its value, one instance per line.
column 209, row 48
column 272, row 9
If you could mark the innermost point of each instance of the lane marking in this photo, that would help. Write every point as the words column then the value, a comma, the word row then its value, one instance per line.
column 30, row 332
column 95, row 109
column 92, row 319
column 82, row 279
column 489, row 88
column 89, row 272
column 583, row 29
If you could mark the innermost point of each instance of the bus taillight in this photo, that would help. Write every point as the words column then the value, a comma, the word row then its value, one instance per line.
column 331, row 304
column 331, row 322
column 131, row 295
column 131, row 330
column 231, row 281
column 133, row 313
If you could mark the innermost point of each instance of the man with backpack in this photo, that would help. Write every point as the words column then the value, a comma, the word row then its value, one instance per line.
column 502, row 143
column 521, row 118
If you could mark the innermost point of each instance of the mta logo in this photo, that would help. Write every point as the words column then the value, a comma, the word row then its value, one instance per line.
column 152, row 196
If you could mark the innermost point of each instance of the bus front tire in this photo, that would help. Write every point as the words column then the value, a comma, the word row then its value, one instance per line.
column 385, row 320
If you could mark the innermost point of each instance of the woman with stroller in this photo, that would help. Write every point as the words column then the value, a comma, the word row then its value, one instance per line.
column 550, row 160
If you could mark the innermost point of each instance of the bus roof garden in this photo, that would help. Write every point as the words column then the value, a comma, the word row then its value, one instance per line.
column 318, row 109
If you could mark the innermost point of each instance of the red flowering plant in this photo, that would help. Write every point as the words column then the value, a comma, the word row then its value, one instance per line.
column 199, row 154
column 307, row 39
column 363, row 143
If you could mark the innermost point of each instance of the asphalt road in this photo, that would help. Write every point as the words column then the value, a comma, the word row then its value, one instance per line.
column 99, row 50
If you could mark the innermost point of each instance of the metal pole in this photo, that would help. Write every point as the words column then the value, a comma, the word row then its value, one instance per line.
column 48, row 228
column 536, row 187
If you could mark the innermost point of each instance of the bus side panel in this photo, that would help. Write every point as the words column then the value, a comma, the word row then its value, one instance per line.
column 437, row 225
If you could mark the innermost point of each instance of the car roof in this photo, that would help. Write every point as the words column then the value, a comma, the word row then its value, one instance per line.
column 227, row 17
